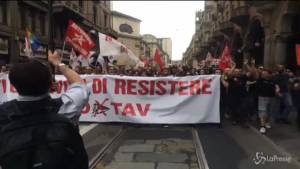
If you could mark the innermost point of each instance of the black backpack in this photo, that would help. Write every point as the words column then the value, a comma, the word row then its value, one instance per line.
column 41, row 141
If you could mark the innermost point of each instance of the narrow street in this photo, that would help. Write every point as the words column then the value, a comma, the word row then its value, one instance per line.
column 157, row 147
column 234, row 147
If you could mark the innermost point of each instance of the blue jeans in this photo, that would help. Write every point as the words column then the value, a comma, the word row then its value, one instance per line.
column 285, row 106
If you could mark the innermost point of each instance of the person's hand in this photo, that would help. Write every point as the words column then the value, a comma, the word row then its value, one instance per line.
column 277, row 91
column 246, row 62
column 54, row 86
column 222, row 77
column 54, row 58
column 253, row 61
column 233, row 63
column 297, row 86
column 279, row 94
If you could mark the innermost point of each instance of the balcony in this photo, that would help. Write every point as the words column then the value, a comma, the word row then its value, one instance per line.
column 214, row 17
column 220, row 6
column 240, row 15
column 226, row 28
column 209, row 7
column 211, row 41
column 68, row 7
column 261, row 3
column 217, row 35
column 204, row 45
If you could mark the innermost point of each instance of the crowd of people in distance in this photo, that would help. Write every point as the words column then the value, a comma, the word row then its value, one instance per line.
column 247, row 92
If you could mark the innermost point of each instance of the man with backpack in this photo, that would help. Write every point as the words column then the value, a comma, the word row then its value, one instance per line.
column 36, row 131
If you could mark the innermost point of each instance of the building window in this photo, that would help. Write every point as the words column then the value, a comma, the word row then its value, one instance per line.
column 42, row 23
column 56, row 31
column 3, row 12
column 80, row 3
column 94, row 13
column 28, row 22
column 22, row 17
column 125, row 28
column 61, row 31
column 105, row 20
column 37, row 21
column 32, row 14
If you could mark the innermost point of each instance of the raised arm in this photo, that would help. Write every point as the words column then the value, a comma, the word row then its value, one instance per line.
column 70, row 74
column 77, row 95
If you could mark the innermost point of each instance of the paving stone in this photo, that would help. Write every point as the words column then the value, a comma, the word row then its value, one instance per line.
column 194, row 166
column 153, row 141
column 160, row 157
column 99, row 166
column 172, row 166
column 131, row 142
column 136, row 148
column 178, row 141
column 181, row 148
column 123, row 157
column 193, row 158
column 130, row 165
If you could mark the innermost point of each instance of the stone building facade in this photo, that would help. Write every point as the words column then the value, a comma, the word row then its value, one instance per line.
column 143, row 46
column 266, row 31
column 163, row 44
column 128, row 29
column 16, row 16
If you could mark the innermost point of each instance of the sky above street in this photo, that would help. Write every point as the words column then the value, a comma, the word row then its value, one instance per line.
column 174, row 19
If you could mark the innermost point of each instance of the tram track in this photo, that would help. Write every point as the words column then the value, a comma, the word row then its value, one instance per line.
column 202, row 162
column 127, row 132
column 101, row 153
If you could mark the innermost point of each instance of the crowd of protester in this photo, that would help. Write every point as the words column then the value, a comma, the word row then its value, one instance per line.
column 269, row 95
column 246, row 93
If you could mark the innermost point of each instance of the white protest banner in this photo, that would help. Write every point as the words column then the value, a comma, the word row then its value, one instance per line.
column 167, row 100
column 3, row 79
column 111, row 47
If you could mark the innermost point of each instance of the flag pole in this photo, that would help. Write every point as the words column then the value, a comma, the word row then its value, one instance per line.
column 63, row 48
column 70, row 56
column 50, row 38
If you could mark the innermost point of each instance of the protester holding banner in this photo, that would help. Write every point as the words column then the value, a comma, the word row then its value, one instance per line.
column 4, row 69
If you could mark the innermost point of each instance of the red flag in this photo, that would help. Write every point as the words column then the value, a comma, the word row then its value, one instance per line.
column 146, row 62
column 225, row 61
column 79, row 39
column 298, row 54
column 158, row 59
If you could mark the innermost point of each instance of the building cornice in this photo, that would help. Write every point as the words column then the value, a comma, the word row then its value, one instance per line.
column 116, row 13
column 129, row 36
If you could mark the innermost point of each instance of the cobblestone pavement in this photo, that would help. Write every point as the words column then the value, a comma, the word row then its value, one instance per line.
column 287, row 137
column 153, row 148
column 230, row 147
column 234, row 147
column 98, row 136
